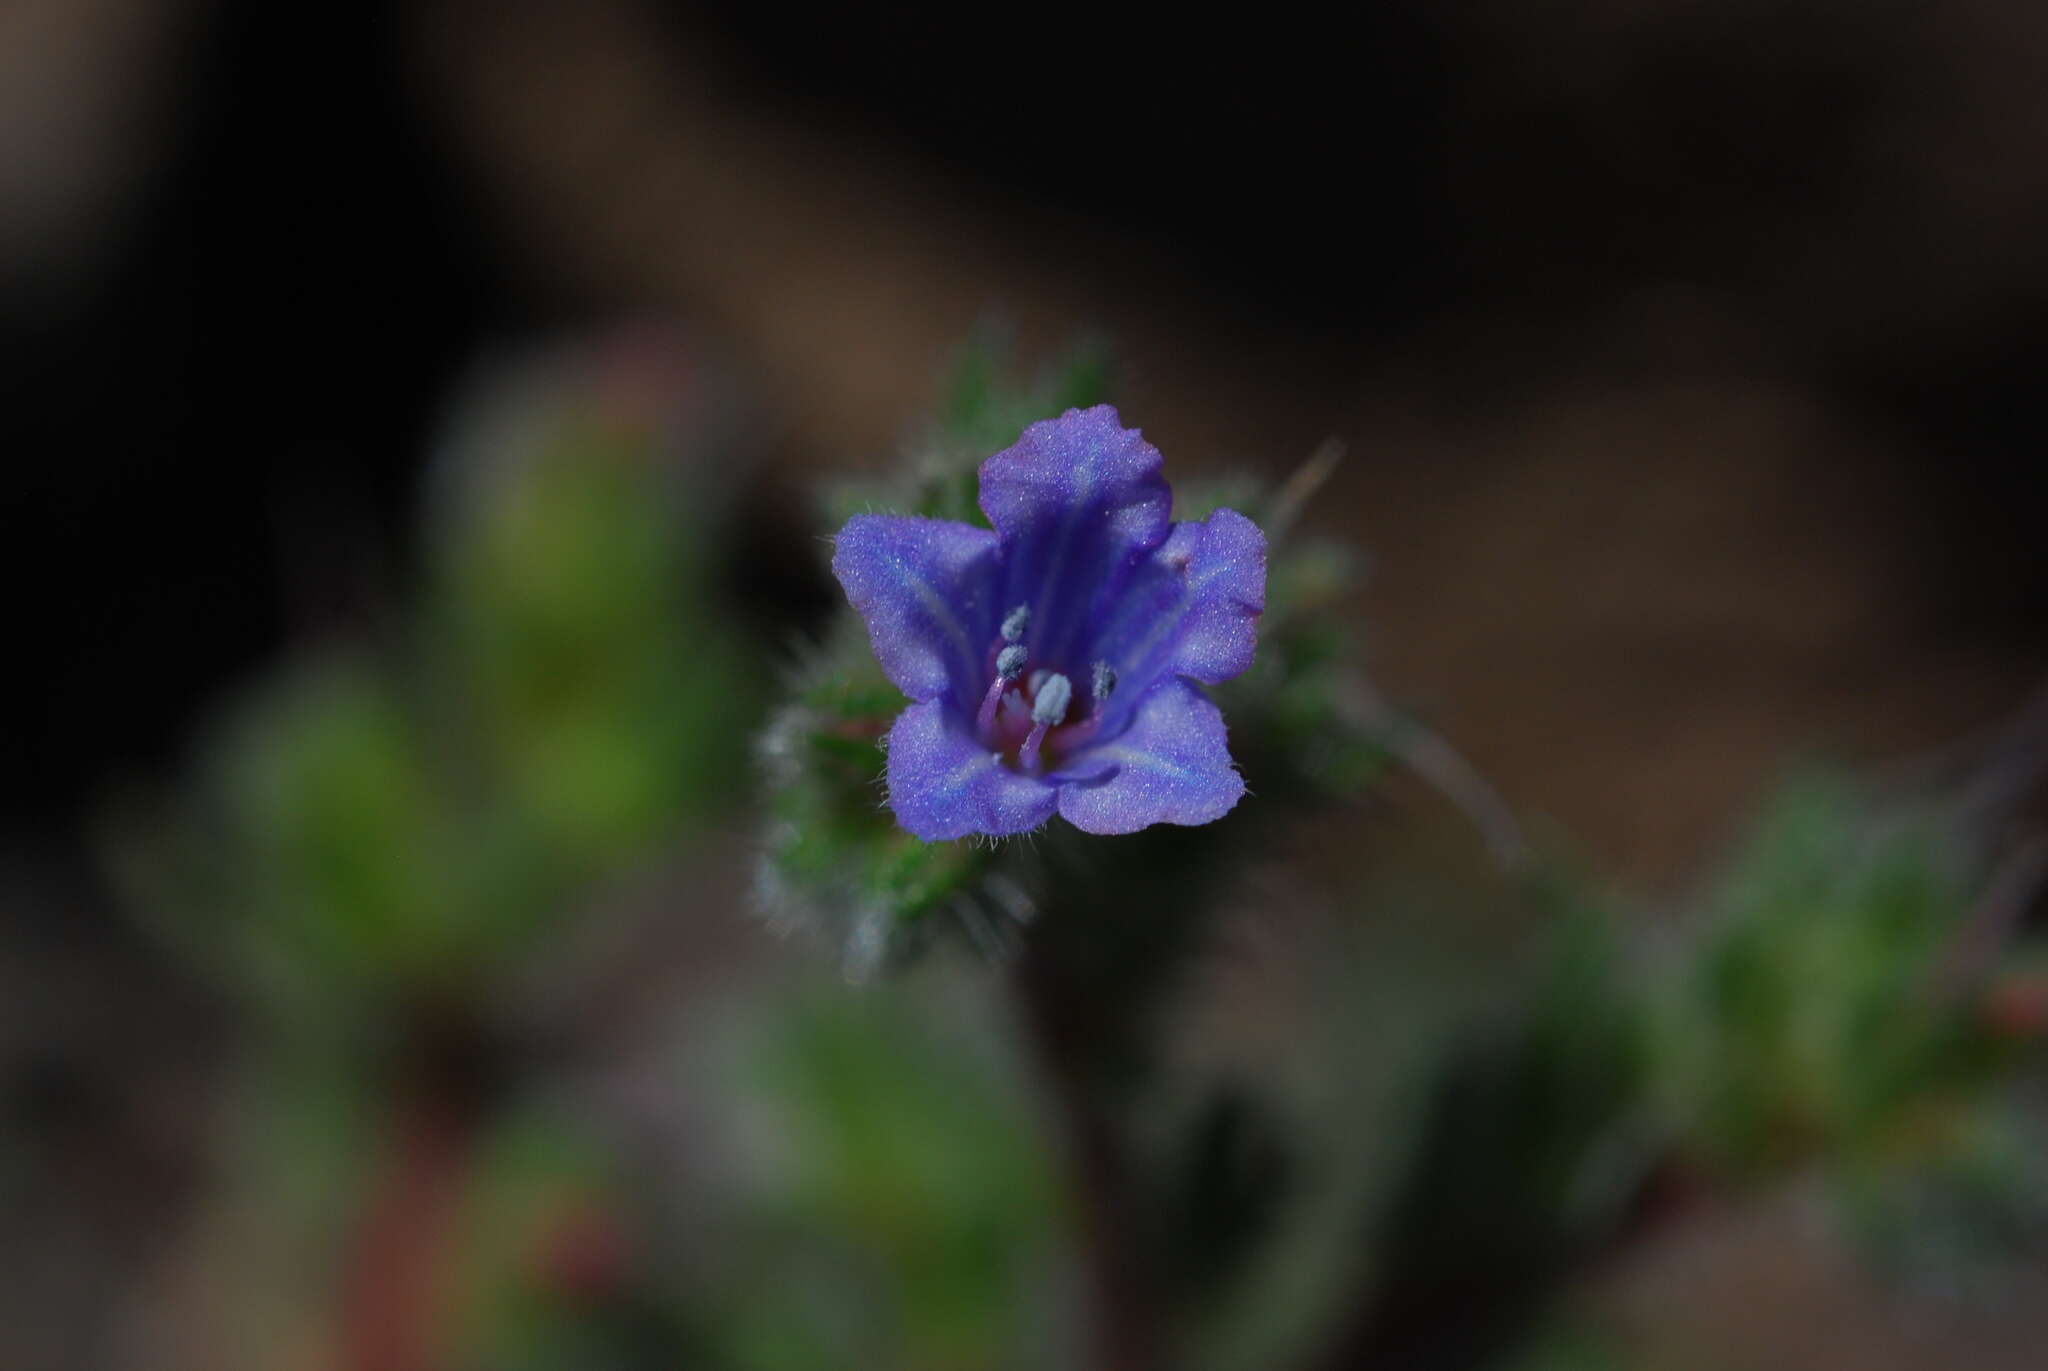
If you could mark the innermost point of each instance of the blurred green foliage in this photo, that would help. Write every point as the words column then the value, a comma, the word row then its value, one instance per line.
column 1838, row 1014
column 1815, row 1019
column 401, row 826
column 1829, row 1011
column 910, row 1217
column 550, row 1265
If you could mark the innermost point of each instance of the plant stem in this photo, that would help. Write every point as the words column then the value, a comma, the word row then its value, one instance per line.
column 394, row 1287
column 1061, row 1021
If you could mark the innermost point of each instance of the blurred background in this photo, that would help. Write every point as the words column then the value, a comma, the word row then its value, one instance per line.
column 416, row 418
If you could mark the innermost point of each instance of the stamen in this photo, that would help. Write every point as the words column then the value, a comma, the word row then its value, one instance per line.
column 1009, row 665
column 1054, row 695
column 1047, row 709
column 1105, row 680
column 1028, row 754
column 1016, row 623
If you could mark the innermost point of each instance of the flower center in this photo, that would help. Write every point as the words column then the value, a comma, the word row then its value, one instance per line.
column 1024, row 719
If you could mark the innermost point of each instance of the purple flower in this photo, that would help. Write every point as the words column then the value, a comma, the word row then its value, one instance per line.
column 1050, row 663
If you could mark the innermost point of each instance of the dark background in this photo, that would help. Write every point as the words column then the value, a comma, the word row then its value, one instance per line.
column 1688, row 355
